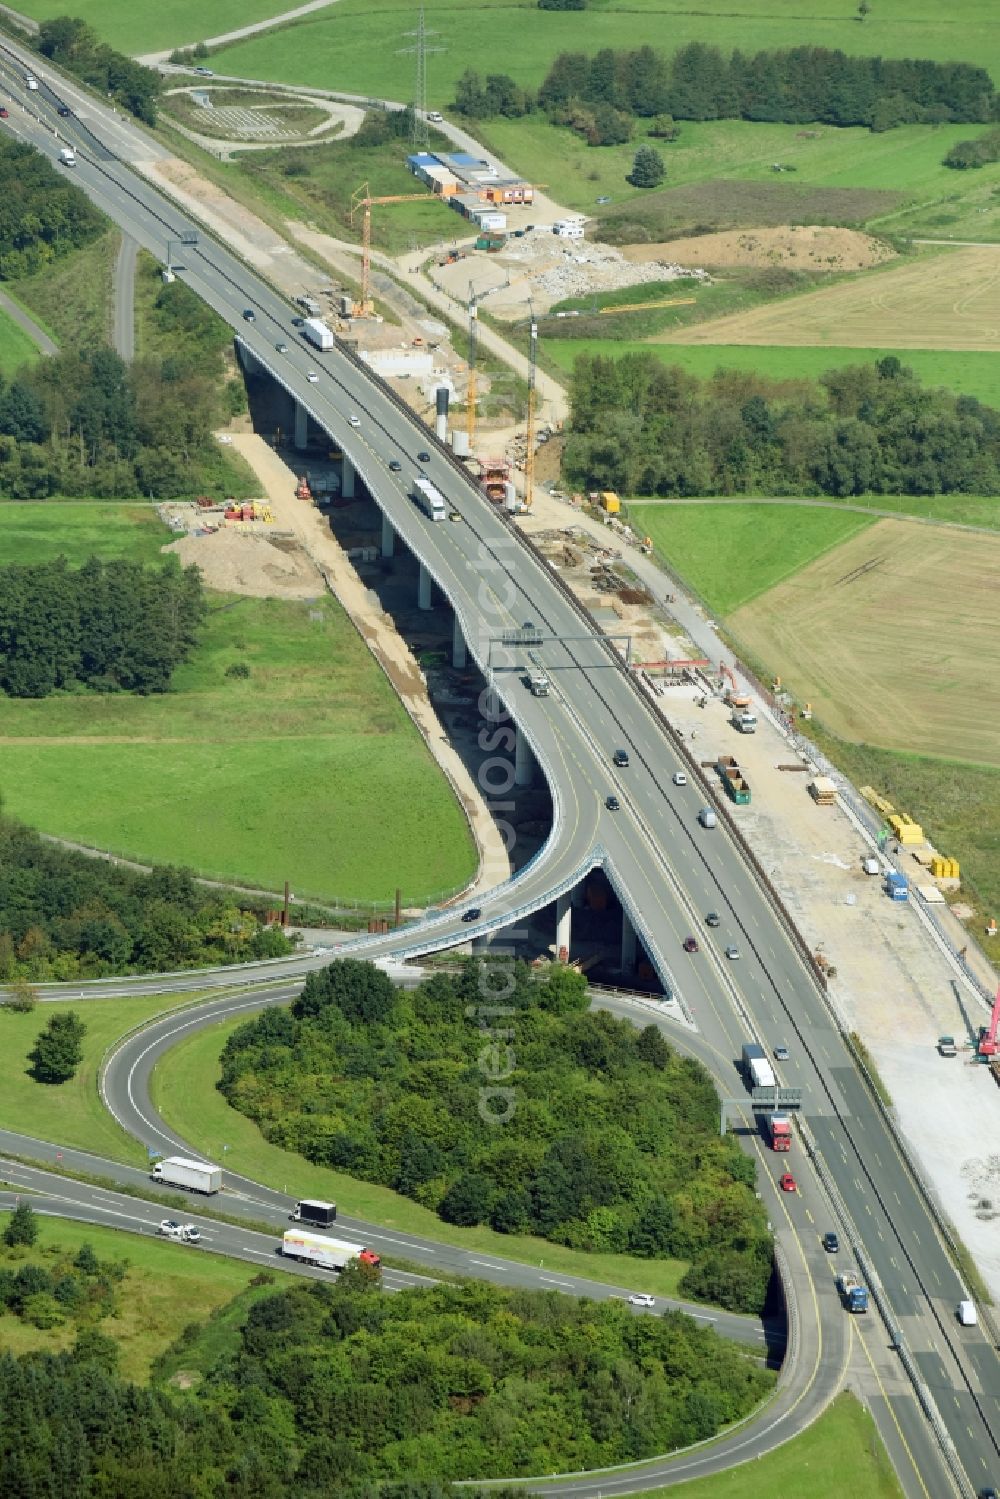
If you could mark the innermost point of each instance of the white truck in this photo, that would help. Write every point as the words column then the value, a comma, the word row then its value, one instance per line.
column 318, row 334
column 328, row 1254
column 756, row 1068
column 538, row 683
column 67, row 156
column 193, row 1176
column 430, row 499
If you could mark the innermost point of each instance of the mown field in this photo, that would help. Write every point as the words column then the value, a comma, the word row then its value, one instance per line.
column 146, row 27
column 184, row 1092
column 307, row 770
column 41, row 530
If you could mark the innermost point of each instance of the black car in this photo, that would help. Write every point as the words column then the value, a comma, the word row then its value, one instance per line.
column 612, row 803
column 472, row 914
column 621, row 758
column 65, row 110
column 831, row 1243
column 298, row 322
column 423, row 457
column 395, row 466
column 249, row 316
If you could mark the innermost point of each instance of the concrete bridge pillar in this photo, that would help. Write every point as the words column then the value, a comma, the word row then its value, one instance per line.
column 347, row 478
column 628, row 945
column 524, row 765
column 458, row 651
column 301, row 427
column 388, row 537
column 564, row 926
column 424, row 589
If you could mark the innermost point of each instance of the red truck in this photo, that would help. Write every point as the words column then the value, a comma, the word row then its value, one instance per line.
column 780, row 1129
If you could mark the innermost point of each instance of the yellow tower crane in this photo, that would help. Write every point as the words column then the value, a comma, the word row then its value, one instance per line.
column 529, row 455
column 361, row 198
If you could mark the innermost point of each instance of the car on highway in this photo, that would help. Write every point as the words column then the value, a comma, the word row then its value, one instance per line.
column 312, row 377
column 638, row 1298
column 395, row 467
column 298, row 322
column 423, row 457
column 732, row 952
column 472, row 914
column 281, row 348
column 712, row 919
column 830, row 1242
column 620, row 758
column 690, row 944
column 249, row 316
column 455, row 515
column 355, row 421
column 612, row 803
column 781, row 1053
column 64, row 110
column 31, row 83
column 787, row 1182
column 680, row 779
column 184, row 1233
column 989, row 1492
column 4, row 112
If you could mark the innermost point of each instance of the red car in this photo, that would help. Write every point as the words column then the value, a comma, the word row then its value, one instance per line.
column 4, row 113
column 787, row 1182
column 690, row 945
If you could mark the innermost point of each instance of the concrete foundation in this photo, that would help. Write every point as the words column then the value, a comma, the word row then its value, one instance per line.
column 564, row 925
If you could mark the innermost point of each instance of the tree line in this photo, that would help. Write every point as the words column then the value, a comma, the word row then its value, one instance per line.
column 43, row 215
column 111, row 626
column 337, row 1392
column 601, row 96
column 613, row 1143
column 75, row 46
column 85, row 423
column 65, row 916
column 643, row 427
column 978, row 152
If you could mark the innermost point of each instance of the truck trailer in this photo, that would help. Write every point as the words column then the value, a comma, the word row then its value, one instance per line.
column 318, row 334
column 756, row 1068
column 192, row 1176
column 735, row 783
column 328, row 1254
column 853, row 1291
column 779, row 1128
column 316, row 1214
column 429, row 498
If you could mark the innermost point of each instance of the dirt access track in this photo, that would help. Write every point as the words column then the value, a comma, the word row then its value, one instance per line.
column 947, row 300
column 891, row 637
column 800, row 247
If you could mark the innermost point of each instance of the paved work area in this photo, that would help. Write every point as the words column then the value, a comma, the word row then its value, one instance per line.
column 379, row 633
column 895, row 986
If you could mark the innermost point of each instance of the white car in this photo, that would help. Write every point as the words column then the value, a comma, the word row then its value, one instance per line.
column 312, row 377
column 184, row 1233
column 680, row 779
column 638, row 1299
column 355, row 421
column 732, row 952
column 434, row 117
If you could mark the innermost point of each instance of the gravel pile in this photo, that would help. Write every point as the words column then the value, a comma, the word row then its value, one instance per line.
column 234, row 562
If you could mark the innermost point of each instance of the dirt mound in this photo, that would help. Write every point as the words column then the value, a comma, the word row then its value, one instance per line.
column 800, row 247
column 234, row 562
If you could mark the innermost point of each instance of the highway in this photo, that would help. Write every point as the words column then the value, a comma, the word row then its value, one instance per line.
column 667, row 870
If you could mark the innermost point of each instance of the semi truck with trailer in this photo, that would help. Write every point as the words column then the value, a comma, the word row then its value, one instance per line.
column 779, row 1129
column 853, row 1291
column 318, row 334
column 429, row 498
column 314, row 1213
column 192, row 1176
column 756, row 1068
column 328, row 1254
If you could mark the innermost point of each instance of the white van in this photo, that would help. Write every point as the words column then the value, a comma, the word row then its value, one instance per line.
column 967, row 1314
column 67, row 156
column 30, row 82
column 707, row 817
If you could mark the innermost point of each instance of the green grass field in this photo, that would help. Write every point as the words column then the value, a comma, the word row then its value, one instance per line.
column 184, row 1092
column 355, row 41
column 40, row 530
column 732, row 553
column 16, row 348
column 840, row 1453
column 145, row 27
column 71, row 1113
column 74, row 292
column 166, row 1287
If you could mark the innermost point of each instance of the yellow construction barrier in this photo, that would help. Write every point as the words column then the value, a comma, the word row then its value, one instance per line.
column 880, row 803
column 906, row 830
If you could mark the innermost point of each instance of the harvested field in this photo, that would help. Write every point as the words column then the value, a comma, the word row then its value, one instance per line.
column 943, row 301
column 807, row 247
column 725, row 204
column 234, row 562
column 890, row 637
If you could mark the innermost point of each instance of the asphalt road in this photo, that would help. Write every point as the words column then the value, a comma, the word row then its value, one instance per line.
column 124, row 299
column 667, row 870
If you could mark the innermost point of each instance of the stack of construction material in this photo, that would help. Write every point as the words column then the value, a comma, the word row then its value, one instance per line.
column 823, row 791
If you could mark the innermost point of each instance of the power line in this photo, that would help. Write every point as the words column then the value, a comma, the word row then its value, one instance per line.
column 420, row 50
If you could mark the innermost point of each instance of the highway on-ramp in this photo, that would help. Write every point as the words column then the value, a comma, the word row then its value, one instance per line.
column 667, row 870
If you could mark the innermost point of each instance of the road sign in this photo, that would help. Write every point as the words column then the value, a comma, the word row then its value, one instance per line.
column 521, row 637
column 776, row 1098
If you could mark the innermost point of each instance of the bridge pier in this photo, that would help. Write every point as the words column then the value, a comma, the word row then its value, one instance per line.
column 388, row 537
column 524, row 763
column 424, row 589
column 458, row 651
column 628, row 945
column 346, row 478
column 301, row 427
column 564, row 925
